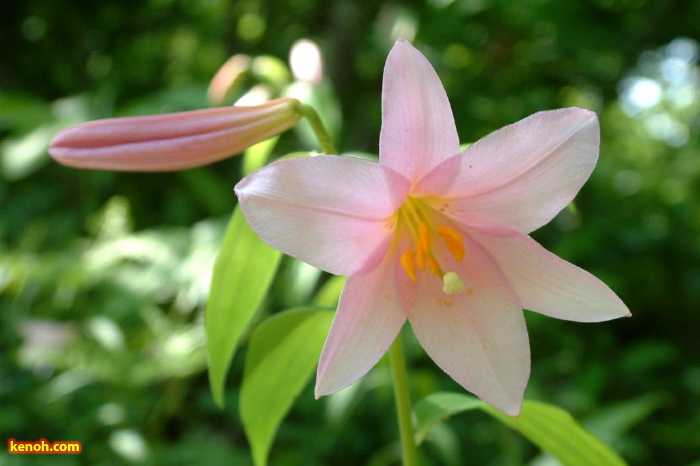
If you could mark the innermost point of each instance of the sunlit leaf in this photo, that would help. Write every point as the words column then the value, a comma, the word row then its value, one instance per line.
column 23, row 156
column 556, row 432
column 329, row 294
column 242, row 275
column 550, row 428
column 282, row 355
column 256, row 155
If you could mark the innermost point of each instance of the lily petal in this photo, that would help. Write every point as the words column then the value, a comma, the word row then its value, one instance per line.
column 418, row 130
column 306, row 208
column 524, row 174
column 550, row 285
column 478, row 338
column 173, row 141
column 369, row 317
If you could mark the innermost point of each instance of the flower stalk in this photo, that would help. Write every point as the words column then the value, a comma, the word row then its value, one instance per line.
column 318, row 128
column 409, row 452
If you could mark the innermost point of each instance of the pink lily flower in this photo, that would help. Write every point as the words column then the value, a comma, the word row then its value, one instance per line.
column 437, row 237
column 172, row 141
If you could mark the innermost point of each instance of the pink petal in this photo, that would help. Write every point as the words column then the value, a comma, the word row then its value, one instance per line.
column 439, row 180
column 418, row 130
column 171, row 141
column 549, row 285
column 370, row 315
column 478, row 338
column 336, row 213
column 524, row 174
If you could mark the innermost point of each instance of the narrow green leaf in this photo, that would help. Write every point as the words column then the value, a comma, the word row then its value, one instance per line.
column 242, row 275
column 550, row 428
column 438, row 406
column 297, row 155
column 255, row 157
column 556, row 432
column 282, row 355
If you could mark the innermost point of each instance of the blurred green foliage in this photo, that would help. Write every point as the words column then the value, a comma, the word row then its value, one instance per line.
column 104, row 276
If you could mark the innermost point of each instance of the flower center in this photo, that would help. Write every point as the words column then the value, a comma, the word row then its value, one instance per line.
column 425, row 231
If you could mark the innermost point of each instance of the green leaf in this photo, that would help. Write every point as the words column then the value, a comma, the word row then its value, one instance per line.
column 439, row 406
column 550, row 428
column 22, row 156
column 283, row 352
column 557, row 432
column 242, row 275
column 329, row 294
column 255, row 157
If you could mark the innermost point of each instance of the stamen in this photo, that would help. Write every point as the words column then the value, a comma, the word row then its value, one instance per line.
column 408, row 263
column 451, row 283
column 420, row 256
column 423, row 256
column 453, row 241
column 434, row 266
column 424, row 236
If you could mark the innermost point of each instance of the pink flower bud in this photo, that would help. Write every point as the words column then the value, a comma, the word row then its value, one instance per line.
column 227, row 78
column 172, row 141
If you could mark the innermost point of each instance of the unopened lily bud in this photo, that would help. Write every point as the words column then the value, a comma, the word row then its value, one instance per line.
column 172, row 141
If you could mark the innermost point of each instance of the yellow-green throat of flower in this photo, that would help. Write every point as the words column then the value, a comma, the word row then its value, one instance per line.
column 424, row 231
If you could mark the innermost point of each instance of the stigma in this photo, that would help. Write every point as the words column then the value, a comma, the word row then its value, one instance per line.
column 451, row 283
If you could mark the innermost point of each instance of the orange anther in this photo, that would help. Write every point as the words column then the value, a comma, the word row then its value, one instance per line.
column 453, row 241
column 420, row 256
column 408, row 262
column 434, row 266
column 424, row 236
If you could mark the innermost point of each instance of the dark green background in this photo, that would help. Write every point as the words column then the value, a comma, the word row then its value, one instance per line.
column 118, row 262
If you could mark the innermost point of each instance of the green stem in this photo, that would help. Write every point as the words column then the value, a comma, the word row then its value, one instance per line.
column 403, row 403
column 318, row 128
